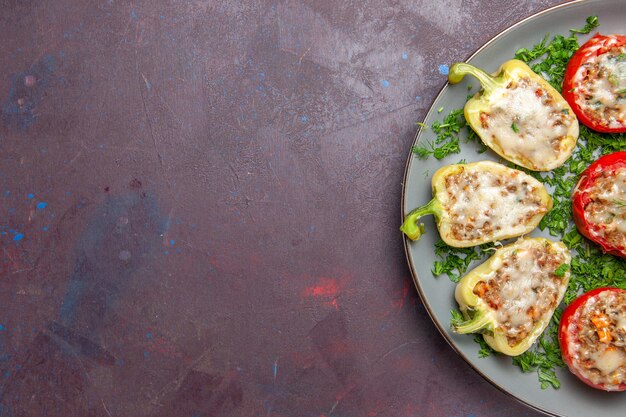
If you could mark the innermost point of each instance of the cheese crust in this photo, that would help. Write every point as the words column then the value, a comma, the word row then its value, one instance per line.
column 523, row 289
column 486, row 201
column 528, row 125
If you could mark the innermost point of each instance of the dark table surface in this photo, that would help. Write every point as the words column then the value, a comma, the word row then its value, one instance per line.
column 200, row 201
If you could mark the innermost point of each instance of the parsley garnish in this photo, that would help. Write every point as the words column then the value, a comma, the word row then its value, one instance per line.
column 592, row 23
column 454, row 262
column 561, row 270
column 447, row 140
column 514, row 128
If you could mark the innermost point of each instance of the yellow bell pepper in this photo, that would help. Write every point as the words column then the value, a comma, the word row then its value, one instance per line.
column 511, row 297
column 519, row 115
column 481, row 202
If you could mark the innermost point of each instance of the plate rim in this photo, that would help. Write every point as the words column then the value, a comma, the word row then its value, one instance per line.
column 406, row 241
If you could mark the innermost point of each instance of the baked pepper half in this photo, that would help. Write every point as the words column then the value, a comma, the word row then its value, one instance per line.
column 511, row 297
column 519, row 115
column 481, row 202
column 594, row 83
column 592, row 336
column 599, row 203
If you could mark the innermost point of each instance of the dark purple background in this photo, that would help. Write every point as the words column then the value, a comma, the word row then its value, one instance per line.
column 200, row 201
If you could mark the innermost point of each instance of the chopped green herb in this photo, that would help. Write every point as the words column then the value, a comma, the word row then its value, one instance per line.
column 440, row 109
column 514, row 128
column 447, row 140
column 561, row 270
column 592, row 23
column 485, row 350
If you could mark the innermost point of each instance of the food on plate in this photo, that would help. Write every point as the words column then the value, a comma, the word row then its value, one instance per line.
column 481, row 202
column 592, row 336
column 511, row 297
column 595, row 83
column 519, row 115
column 599, row 203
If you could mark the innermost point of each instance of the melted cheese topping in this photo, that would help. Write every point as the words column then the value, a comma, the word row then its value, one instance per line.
column 523, row 289
column 602, row 87
column 527, row 124
column 484, row 203
column 602, row 362
column 607, row 209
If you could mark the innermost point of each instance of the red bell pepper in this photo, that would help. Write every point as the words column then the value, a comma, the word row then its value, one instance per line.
column 599, row 203
column 594, row 84
column 592, row 336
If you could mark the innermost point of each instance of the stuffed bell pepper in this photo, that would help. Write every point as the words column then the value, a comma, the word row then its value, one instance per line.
column 520, row 116
column 511, row 297
column 481, row 202
column 599, row 203
column 592, row 335
column 595, row 83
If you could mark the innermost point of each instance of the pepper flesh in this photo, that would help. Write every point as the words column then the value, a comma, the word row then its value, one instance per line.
column 481, row 202
column 511, row 297
column 594, row 83
column 590, row 193
column 585, row 339
column 519, row 115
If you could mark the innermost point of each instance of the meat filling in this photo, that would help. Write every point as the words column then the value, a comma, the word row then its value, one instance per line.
column 606, row 211
column 483, row 203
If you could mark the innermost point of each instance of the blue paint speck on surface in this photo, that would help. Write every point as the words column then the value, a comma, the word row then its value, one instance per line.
column 18, row 237
column 384, row 83
column 275, row 369
column 146, row 354
column 7, row 193
column 304, row 119
column 404, row 55
column 444, row 69
column 42, row 205
column 261, row 76
column 30, row 196
column 148, row 335
column 172, row 241
column 166, row 253
column 161, row 17
column 133, row 15
column 45, row 228
column 418, row 98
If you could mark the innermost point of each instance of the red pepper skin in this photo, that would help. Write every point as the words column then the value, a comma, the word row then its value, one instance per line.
column 565, row 335
column 595, row 46
column 580, row 199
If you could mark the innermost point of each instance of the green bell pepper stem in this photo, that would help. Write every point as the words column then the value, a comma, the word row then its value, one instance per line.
column 461, row 69
column 481, row 322
column 414, row 230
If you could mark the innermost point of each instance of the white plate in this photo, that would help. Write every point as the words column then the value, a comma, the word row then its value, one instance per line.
column 573, row 398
